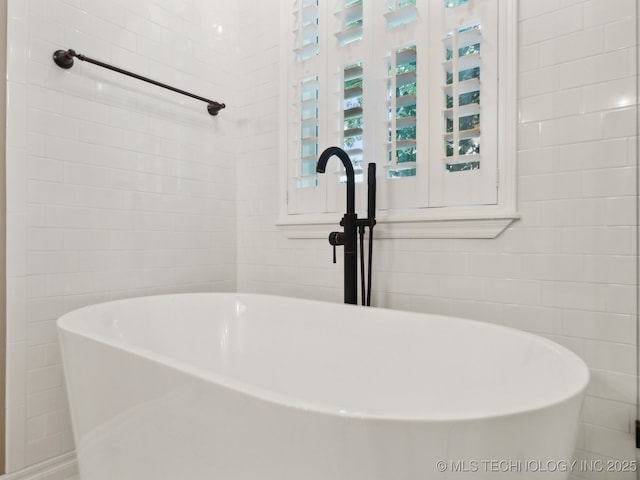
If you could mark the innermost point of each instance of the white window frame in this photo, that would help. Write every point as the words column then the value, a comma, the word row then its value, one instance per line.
column 478, row 221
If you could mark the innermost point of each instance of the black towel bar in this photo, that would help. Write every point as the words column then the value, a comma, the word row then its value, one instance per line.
column 64, row 59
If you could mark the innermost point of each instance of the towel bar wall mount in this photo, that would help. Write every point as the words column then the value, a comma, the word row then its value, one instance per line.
column 64, row 59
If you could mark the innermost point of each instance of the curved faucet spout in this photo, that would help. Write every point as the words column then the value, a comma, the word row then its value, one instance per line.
column 348, row 167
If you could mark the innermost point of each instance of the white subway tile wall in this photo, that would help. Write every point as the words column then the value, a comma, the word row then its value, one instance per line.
column 116, row 188
column 566, row 270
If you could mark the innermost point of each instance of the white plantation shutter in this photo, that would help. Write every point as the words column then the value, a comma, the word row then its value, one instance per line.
column 463, row 165
column 411, row 85
column 400, row 176
column 306, row 118
column 402, row 100
column 350, row 78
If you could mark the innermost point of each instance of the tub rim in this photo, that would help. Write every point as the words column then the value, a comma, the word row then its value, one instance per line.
column 65, row 323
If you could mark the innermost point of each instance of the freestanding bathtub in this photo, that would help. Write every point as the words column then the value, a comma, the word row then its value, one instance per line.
column 252, row 387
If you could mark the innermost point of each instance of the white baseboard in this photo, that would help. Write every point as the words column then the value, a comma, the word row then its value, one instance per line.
column 58, row 468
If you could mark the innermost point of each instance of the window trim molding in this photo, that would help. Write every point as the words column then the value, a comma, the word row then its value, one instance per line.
column 466, row 223
column 482, row 221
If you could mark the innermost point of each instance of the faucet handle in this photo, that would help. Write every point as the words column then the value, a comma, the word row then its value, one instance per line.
column 336, row 238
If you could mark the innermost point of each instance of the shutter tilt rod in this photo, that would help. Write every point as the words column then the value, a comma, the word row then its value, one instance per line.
column 64, row 59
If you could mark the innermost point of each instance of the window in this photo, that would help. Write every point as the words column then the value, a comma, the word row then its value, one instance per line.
column 423, row 88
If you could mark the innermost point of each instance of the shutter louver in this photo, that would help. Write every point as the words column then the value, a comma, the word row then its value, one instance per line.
column 351, row 21
column 454, row 3
column 306, row 29
column 400, row 12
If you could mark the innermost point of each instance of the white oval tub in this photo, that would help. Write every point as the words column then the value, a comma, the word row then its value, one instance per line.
column 252, row 387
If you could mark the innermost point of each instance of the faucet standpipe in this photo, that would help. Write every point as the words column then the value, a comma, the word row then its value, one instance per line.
column 351, row 224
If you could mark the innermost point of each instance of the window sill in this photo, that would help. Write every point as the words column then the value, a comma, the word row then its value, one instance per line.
column 439, row 224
